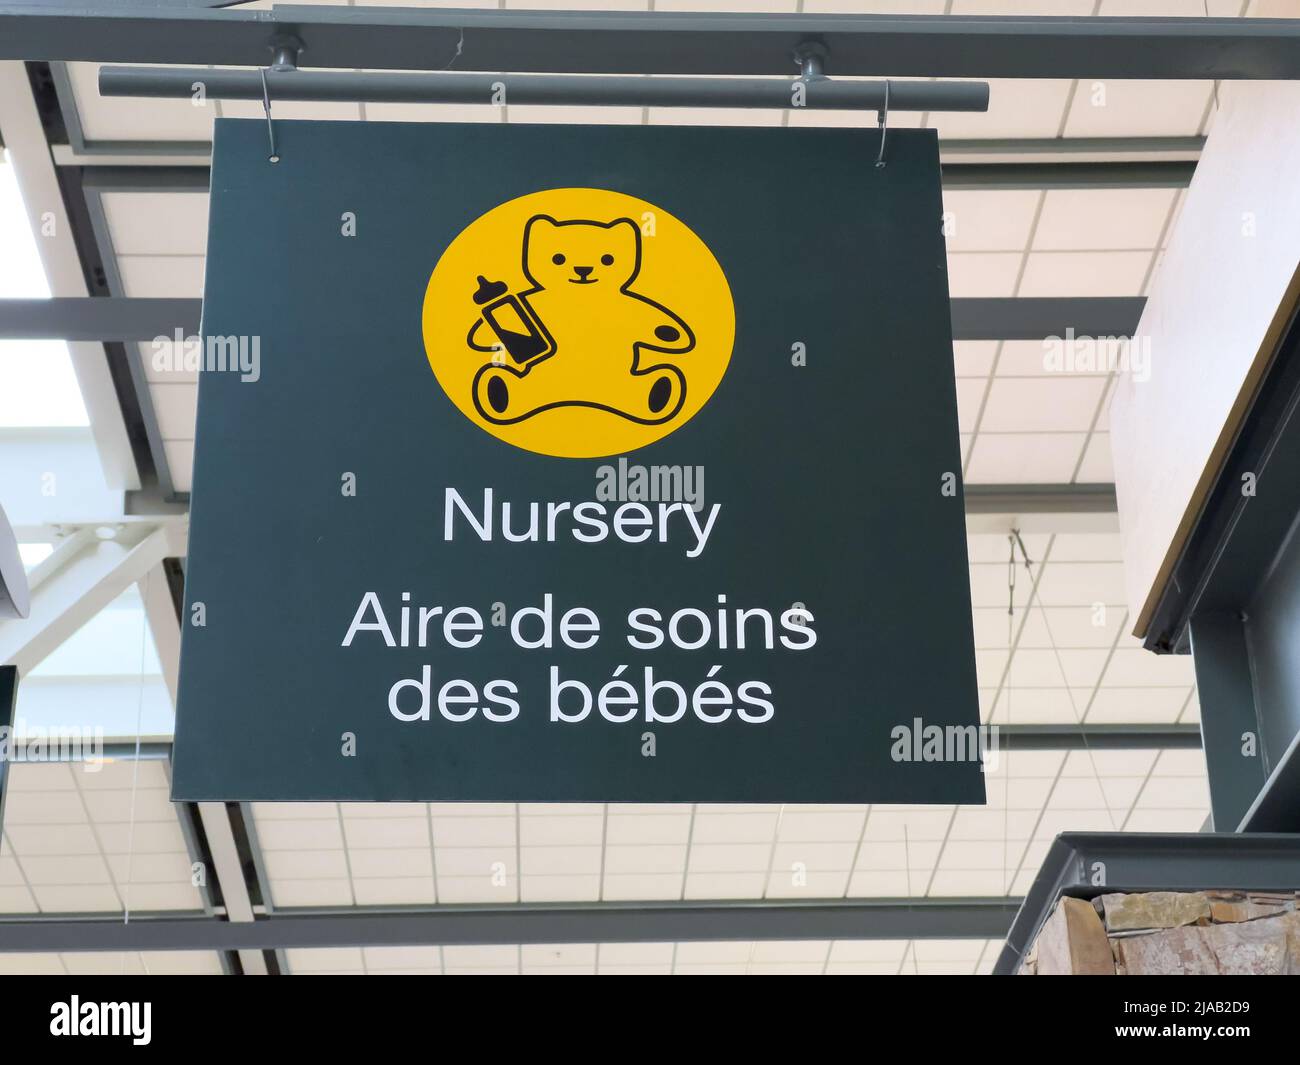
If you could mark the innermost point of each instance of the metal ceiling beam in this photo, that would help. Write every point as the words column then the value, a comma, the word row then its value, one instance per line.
column 648, row 43
column 1040, row 499
column 1048, row 509
column 1277, row 806
column 1098, row 737
column 1087, row 864
column 123, row 318
column 1066, row 149
column 86, row 583
column 1034, row 318
column 596, row 922
column 94, row 318
column 1109, row 174
column 1120, row 174
column 214, row 817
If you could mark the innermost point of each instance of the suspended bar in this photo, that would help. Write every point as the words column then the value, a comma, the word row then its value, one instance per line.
column 657, row 42
column 559, row 89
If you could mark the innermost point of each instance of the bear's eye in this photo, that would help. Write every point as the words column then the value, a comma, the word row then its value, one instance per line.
column 557, row 259
column 608, row 260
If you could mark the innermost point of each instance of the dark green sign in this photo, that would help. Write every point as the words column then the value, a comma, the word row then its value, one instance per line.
column 555, row 463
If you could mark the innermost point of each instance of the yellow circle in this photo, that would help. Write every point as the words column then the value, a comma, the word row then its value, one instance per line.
column 578, row 322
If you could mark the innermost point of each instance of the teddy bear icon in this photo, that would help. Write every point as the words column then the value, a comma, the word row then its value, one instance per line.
column 579, row 336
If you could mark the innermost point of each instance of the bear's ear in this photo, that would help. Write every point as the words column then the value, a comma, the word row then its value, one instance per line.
column 618, row 223
column 627, row 230
column 540, row 220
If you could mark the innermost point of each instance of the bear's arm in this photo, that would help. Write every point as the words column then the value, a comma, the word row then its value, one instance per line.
column 660, row 329
column 469, row 339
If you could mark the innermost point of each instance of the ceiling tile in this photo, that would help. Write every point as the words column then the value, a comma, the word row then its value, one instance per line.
column 974, row 274
column 1024, row 458
column 977, row 220
column 1041, row 404
column 1097, row 273
column 1106, row 219
column 1117, row 108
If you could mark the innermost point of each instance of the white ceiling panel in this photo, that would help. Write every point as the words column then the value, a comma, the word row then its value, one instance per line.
column 1041, row 404
column 114, row 963
column 1117, row 108
column 974, row 358
column 1024, row 458
column 180, row 461
column 978, row 274
column 161, row 276
column 1102, row 219
column 157, row 223
column 1133, row 667
column 1096, row 467
column 1146, row 705
column 175, row 406
column 989, row 220
column 1096, row 273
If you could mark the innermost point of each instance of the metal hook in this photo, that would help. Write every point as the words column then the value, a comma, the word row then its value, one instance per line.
column 285, row 49
column 811, row 59
column 266, row 107
column 882, row 123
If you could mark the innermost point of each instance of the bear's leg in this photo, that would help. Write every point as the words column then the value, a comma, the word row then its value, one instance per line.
column 651, row 395
column 505, row 395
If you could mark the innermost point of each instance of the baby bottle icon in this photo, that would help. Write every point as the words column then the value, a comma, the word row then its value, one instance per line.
column 516, row 325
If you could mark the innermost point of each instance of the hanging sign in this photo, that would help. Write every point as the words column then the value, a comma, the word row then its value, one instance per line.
column 576, row 464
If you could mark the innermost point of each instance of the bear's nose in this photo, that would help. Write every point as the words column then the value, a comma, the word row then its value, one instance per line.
column 583, row 271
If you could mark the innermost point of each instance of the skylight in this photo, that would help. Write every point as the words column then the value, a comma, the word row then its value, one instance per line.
column 38, row 387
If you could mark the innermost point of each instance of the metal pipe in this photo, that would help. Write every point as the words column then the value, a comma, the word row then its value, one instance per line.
column 557, row 89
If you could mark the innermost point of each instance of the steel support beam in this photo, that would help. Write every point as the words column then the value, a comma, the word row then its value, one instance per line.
column 1234, row 744
column 95, row 318
column 1098, row 737
column 1005, row 150
column 1040, row 499
column 1121, row 174
column 1035, row 318
column 603, row 922
column 230, row 875
column 141, row 319
column 226, row 866
column 582, row 42
column 86, row 583
column 1087, row 864
column 1277, row 807
column 8, row 700
column 817, row 94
